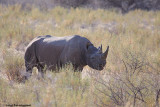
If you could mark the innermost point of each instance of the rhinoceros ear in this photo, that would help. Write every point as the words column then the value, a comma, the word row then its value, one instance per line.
column 87, row 45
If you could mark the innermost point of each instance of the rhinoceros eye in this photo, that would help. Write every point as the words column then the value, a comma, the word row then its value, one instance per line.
column 92, row 57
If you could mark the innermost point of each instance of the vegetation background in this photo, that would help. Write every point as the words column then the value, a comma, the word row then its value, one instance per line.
column 131, row 76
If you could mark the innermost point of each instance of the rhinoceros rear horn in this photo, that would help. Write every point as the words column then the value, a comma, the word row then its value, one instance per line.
column 100, row 49
column 104, row 55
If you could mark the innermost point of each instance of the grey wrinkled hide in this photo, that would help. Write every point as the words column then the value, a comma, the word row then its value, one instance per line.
column 54, row 52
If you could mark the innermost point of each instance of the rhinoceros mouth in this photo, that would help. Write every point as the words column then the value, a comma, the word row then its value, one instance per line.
column 99, row 67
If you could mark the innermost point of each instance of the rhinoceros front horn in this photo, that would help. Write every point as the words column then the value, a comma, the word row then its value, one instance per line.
column 104, row 55
column 101, row 48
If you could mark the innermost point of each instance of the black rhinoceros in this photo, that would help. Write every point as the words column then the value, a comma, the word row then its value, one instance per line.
column 54, row 52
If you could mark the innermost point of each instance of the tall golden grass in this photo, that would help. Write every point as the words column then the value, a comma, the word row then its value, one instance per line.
column 134, row 38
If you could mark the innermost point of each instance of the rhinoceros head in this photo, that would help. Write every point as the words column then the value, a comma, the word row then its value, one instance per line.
column 96, row 59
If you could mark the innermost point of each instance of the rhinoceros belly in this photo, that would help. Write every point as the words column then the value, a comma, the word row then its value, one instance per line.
column 48, row 53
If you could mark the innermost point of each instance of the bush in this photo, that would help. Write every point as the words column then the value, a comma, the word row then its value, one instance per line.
column 13, row 65
column 71, row 3
column 138, row 82
column 124, row 5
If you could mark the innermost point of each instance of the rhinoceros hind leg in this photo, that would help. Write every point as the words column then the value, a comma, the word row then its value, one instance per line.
column 28, row 72
column 40, row 71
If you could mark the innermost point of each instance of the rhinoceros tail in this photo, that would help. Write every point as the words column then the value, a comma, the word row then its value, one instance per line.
column 30, row 58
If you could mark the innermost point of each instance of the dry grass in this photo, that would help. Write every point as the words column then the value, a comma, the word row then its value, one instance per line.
column 133, row 38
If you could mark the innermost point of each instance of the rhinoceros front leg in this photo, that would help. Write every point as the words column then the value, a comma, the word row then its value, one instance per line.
column 77, row 68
